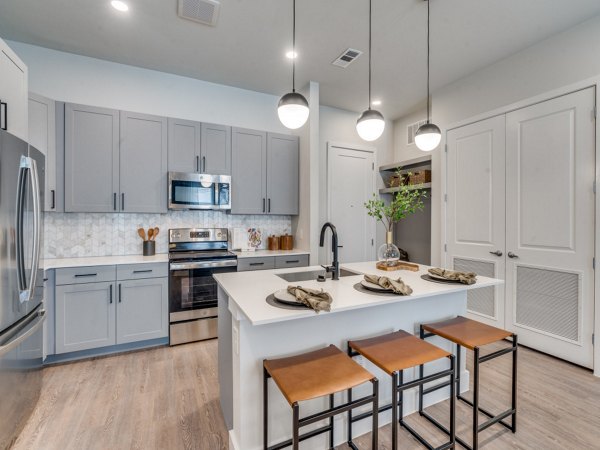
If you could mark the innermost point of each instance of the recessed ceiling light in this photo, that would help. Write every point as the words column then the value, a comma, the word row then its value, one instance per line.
column 119, row 5
column 376, row 102
column 291, row 55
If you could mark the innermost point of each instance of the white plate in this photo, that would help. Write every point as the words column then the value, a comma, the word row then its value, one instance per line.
column 374, row 287
column 285, row 296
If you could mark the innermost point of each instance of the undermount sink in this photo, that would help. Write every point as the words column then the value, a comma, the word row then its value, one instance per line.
column 312, row 275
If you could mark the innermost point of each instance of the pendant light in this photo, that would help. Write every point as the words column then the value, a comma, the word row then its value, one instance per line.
column 370, row 124
column 428, row 136
column 293, row 108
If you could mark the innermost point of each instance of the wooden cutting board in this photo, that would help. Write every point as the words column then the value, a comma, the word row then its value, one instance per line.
column 399, row 265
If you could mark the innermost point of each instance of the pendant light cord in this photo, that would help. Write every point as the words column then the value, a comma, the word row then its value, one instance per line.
column 428, row 102
column 370, row 20
column 294, row 49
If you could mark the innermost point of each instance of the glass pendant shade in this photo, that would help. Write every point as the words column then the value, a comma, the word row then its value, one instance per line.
column 370, row 125
column 293, row 110
column 428, row 137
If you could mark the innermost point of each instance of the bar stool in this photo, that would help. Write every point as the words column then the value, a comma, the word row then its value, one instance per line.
column 312, row 375
column 393, row 353
column 472, row 335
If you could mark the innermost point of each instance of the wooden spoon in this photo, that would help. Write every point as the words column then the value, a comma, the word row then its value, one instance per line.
column 156, row 230
column 150, row 233
column 142, row 233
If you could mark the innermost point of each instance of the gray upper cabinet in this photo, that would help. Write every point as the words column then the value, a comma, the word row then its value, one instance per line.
column 143, row 163
column 85, row 316
column 46, row 133
column 142, row 310
column 91, row 158
column 215, row 152
column 184, row 146
column 248, row 171
column 282, row 174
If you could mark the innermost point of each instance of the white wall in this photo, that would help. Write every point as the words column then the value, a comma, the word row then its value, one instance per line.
column 339, row 126
column 558, row 61
column 79, row 79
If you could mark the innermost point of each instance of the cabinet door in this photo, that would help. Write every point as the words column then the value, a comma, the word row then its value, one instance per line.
column 282, row 174
column 216, row 149
column 143, row 163
column 142, row 310
column 85, row 316
column 184, row 146
column 13, row 92
column 248, row 172
column 91, row 158
column 42, row 135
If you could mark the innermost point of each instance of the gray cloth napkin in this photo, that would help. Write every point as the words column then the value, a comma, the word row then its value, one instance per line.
column 397, row 286
column 463, row 277
column 317, row 299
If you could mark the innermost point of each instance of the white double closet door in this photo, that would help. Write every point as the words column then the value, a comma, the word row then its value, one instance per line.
column 520, row 206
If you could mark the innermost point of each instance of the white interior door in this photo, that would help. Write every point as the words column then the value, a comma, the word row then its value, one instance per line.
column 351, row 182
column 475, row 211
column 550, row 162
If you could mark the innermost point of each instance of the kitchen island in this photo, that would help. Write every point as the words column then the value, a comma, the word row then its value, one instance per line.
column 250, row 330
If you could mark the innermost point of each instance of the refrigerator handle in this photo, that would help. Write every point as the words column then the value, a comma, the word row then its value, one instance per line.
column 21, row 180
column 32, row 326
column 37, row 229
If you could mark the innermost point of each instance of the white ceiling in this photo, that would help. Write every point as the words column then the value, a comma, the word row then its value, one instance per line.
column 246, row 48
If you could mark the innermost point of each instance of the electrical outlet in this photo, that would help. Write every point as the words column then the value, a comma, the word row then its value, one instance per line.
column 360, row 360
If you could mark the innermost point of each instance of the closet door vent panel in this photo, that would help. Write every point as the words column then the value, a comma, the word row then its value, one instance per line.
column 548, row 301
column 483, row 300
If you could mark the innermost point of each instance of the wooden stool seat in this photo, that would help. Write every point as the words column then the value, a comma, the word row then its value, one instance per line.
column 397, row 351
column 315, row 374
column 466, row 332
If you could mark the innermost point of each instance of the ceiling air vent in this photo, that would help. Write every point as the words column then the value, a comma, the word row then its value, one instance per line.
column 202, row 11
column 412, row 129
column 346, row 58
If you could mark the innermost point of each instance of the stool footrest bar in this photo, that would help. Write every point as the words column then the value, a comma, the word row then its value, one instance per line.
column 427, row 379
column 335, row 411
column 302, row 437
column 445, row 430
column 504, row 351
column 431, row 389
column 497, row 419
column 487, row 413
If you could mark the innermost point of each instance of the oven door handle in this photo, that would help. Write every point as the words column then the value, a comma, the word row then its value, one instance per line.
column 202, row 264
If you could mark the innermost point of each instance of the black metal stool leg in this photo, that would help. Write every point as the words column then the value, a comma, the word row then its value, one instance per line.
column 265, row 410
column 296, row 427
column 375, row 431
column 331, row 423
column 401, row 399
column 452, row 400
column 476, row 398
column 458, row 373
column 421, row 372
column 514, row 384
column 395, row 411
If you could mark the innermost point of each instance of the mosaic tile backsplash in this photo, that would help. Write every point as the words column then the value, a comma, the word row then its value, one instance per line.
column 71, row 235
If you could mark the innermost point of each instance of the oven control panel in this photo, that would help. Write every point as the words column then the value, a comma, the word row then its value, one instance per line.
column 179, row 235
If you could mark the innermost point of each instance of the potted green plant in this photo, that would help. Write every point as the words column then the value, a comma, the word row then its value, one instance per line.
column 406, row 201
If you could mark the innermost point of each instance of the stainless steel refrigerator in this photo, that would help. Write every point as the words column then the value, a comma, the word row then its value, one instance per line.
column 21, row 284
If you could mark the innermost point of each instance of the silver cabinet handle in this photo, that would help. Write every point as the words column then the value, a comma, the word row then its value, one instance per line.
column 81, row 275
column 197, row 164
column 497, row 253
column 512, row 255
column 203, row 164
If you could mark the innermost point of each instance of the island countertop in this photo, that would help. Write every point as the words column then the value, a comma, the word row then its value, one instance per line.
column 249, row 290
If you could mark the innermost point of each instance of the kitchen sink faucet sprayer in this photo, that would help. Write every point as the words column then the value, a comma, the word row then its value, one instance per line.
column 335, row 265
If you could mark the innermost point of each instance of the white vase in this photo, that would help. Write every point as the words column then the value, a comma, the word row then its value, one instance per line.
column 388, row 253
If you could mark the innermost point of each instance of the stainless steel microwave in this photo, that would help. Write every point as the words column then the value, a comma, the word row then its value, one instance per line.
column 199, row 191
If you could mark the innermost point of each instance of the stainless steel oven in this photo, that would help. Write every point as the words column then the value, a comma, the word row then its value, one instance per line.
column 199, row 191
column 194, row 256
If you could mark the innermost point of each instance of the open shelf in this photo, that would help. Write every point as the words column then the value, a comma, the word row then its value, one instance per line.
column 406, row 164
column 392, row 190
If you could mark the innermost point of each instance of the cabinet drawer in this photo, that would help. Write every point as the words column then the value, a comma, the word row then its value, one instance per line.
column 260, row 263
column 137, row 271
column 281, row 262
column 87, row 274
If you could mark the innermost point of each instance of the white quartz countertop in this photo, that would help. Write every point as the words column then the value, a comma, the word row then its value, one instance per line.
column 263, row 253
column 61, row 263
column 249, row 290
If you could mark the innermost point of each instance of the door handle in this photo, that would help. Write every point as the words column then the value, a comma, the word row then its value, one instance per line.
column 53, row 199
column 120, row 293
column 203, row 164
column 114, row 201
column 497, row 253
column 269, row 208
column 264, row 205
column 197, row 164
column 122, row 201
column 3, row 115
column 512, row 255
column 110, row 293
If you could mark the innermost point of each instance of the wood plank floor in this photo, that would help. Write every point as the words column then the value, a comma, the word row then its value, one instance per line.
column 167, row 398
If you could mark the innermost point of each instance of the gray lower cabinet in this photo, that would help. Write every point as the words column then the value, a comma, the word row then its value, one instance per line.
column 142, row 310
column 91, row 158
column 265, row 173
column 143, row 163
column 248, row 171
column 85, row 316
column 272, row 262
column 282, row 174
